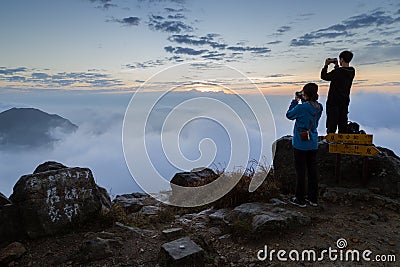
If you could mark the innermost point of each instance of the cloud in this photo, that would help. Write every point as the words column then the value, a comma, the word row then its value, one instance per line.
column 173, row 10
column 146, row 64
column 208, row 39
column 255, row 50
column 61, row 79
column 16, row 78
column 96, row 145
column 129, row 21
column 378, row 18
column 344, row 29
column 105, row 4
column 41, row 76
column 214, row 55
column 184, row 50
column 160, row 1
column 160, row 23
column 379, row 43
column 11, row 71
column 282, row 30
column 176, row 16
column 376, row 54
column 365, row 109
column 309, row 38
column 274, row 42
column 97, row 142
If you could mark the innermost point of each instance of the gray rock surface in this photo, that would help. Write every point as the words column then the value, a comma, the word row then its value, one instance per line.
column 383, row 169
column 4, row 200
column 55, row 200
column 10, row 226
column 172, row 233
column 182, row 252
column 262, row 218
column 149, row 210
column 130, row 202
column 49, row 166
column 10, row 253
column 194, row 178
column 219, row 215
column 96, row 249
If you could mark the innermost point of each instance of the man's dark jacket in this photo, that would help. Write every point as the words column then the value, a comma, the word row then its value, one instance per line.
column 341, row 79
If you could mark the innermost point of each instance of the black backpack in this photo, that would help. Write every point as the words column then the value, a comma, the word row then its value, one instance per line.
column 354, row 128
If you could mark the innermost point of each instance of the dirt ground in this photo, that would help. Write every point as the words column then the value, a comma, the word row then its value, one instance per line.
column 364, row 224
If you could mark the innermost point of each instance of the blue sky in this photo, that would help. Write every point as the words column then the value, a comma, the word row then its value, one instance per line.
column 111, row 44
column 84, row 59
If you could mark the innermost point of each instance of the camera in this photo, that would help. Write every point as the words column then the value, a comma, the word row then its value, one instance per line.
column 299, row 95
column 332, row 60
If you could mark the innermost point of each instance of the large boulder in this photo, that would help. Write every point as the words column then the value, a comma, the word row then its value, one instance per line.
column 9, row 226
column 4, row 200
column 283, row 164
column 49, row 166
column 383, row 169
column 55, row 200
column 194, row 178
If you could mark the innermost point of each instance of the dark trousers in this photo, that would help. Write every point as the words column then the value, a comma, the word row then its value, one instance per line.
column 336, row 117
column 306, row 160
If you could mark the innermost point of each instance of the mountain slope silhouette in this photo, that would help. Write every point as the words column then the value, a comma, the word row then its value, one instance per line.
column 30, row 127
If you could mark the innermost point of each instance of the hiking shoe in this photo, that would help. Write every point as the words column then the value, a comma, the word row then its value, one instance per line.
column 311, row 203
column 296, row 202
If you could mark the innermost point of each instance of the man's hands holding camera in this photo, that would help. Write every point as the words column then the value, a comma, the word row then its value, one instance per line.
column 331, row 60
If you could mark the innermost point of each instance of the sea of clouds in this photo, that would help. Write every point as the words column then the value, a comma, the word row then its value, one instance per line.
column 97, row 144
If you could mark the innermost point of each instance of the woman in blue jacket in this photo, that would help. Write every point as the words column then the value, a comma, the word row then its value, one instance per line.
column 306, row 112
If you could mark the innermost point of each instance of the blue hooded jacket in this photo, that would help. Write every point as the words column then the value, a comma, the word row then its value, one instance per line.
column 304, row 114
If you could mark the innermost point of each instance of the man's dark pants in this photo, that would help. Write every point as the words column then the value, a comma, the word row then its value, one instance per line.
column 336, row 117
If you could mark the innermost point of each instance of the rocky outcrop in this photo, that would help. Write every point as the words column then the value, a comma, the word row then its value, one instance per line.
column 45, row 203
column 194, row 178
column 10, row 253
column 4, row 200
column 130, row 202
column 264, row 218
column 383, row 169
column 252, row 219
column 49, row 166
column 384, row 173
column 9, row 222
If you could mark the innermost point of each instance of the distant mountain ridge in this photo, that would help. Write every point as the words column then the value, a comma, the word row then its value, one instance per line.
column 30, row 127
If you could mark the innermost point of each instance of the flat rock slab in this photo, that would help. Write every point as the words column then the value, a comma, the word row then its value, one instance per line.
column 172, row 233
column 262, row 218
column 130, row 202
column 182, row 252
column 149, row 210
column 12, row 252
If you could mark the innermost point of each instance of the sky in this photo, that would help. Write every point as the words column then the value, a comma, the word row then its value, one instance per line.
column 95, row 62
column 110, row 44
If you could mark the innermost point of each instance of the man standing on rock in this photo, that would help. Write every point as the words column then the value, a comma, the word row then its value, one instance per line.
column 337, row 104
